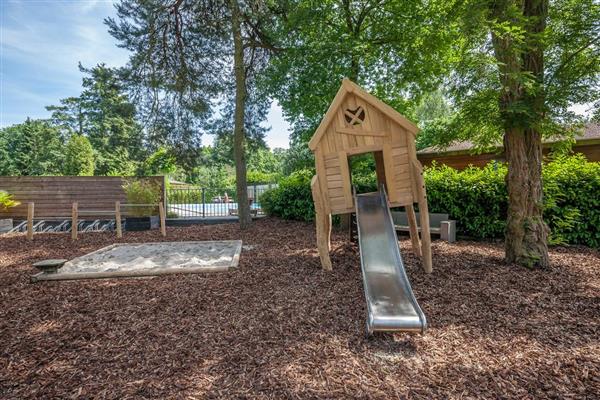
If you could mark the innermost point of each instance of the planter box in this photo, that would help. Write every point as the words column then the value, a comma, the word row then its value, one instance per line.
column 6, row 225
column 141, row 223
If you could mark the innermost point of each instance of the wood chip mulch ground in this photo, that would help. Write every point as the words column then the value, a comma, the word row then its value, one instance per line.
column 280, row 327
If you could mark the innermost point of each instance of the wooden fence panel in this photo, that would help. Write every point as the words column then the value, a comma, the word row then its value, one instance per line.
column 54, row 195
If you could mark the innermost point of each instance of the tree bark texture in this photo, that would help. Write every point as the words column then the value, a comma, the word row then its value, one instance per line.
column 239, row 136
column 522, row 110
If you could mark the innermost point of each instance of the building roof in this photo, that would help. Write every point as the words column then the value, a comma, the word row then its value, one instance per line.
column 591, row 132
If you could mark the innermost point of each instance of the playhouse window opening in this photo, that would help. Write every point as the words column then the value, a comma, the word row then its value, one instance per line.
column 366, row 171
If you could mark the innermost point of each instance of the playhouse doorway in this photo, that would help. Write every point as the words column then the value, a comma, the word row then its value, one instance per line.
column 367, row 171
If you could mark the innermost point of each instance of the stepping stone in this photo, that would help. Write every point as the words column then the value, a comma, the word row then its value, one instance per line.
column 50, row 266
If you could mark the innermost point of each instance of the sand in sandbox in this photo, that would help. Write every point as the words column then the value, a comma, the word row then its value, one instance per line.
column 152, row 258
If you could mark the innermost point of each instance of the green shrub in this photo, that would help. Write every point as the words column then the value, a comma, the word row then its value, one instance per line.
column 6, row 201
column 140, row 191
column 477, row 198
column 572, row 200
column 292, row 199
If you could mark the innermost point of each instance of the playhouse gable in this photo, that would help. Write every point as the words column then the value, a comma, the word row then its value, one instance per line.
column 358, row 123
column 356, row 118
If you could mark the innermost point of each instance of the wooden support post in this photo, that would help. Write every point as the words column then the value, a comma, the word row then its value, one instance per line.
column 328, row 226
column 424, row 217
column 163, row 222
column 118, row 219
column 323, row 225
column 30, row 214
column 74, row 220
column 414, row 230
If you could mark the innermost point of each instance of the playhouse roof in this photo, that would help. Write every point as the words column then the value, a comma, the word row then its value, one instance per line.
column 346, row 88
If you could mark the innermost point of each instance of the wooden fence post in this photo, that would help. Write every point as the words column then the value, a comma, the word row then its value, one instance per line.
column 74, row 218
column 163, row 225
column 118, row 219
column 30, row 213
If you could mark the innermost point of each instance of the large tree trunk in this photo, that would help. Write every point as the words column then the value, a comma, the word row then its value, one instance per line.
column 239, row 136
column 526, row 232
column 522, row 110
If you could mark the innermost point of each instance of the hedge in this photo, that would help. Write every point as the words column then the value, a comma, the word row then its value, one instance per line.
column 292, row 199
column 477, row 199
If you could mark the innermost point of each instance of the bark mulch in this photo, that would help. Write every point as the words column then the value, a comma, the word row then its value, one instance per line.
column 280, row 327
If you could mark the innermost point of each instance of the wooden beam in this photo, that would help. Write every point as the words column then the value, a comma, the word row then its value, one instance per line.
column 322, row 223
column 424, row 217
column 356, row 132
column 413, row 230
column 163, row 222
column 322, row 181
column 30, row 214
column 74, row 218
column 346, row 183
column 364, row 149
column 389, row 172
column 118, row 219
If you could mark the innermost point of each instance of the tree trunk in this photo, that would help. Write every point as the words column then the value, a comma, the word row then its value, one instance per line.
column 239, row 136
column 522, row 109
column 526, row 232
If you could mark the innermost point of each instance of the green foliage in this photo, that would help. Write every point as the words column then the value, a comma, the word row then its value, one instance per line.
column 6, row 201
column 139, row 191
column 161, row 162
column 396, row 49
column 292, row 199
column 477, row 198
column 103, row 114
column 572, row 200
column 79, row 157
column 31, row 148
column 297, row 157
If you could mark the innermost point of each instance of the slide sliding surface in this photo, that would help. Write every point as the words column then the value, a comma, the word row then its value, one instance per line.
column 391, row 304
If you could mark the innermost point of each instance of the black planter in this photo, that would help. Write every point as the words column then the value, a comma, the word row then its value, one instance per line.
column 141, row 223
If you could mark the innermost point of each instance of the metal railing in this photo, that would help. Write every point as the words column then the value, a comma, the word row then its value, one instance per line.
column 201, row 202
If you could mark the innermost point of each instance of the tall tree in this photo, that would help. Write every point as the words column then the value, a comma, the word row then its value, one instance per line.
column 31, row 148
column 191, row 52
column 396, row 49
column 521, row 65
column 79, row 157
column 512, row 67
column 105, row 115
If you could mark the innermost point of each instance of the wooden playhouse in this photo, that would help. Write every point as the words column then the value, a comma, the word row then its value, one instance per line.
column 358, row 123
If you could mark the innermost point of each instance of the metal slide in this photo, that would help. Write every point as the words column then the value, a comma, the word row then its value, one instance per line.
column 391, row 304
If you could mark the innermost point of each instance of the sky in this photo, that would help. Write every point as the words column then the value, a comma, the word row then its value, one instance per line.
column 41, row 44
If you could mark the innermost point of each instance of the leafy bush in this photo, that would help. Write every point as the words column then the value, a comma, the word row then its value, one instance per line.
column 292, row 199
column 572, row 200
column 477, row 198
column 142, row 192
column 6, row 201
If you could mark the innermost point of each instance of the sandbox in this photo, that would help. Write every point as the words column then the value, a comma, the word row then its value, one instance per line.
column 149, row 259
